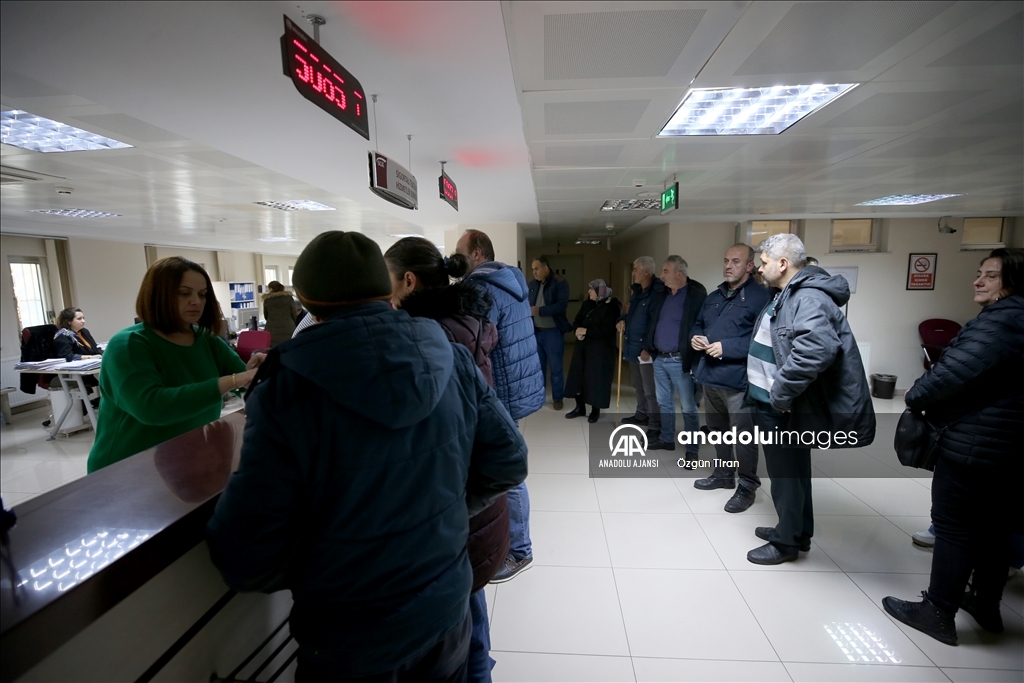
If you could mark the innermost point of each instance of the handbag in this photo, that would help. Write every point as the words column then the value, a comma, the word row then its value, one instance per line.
column 917, row 441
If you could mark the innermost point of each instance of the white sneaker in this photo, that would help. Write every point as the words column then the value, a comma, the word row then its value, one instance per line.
column 925, row 538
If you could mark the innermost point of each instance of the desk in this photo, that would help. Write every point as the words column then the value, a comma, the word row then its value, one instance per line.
column 72, row 383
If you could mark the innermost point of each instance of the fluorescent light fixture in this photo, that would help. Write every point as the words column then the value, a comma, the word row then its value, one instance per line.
column 587, row 241
column 39, row 134
column 632, row 205
column 276, row 239
column 907, row 199
column 297, row 205
column 76, row 213
column 767, row 110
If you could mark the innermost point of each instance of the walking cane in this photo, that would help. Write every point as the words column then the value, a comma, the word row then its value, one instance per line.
column 618, row 381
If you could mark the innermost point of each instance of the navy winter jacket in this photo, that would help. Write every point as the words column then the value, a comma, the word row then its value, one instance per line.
column 556, row 291
column 369, row 441
column 730, row 321
column 518, row 378
column 638, row 320
column 821, row 375
column 977, row 388
column 695, row 295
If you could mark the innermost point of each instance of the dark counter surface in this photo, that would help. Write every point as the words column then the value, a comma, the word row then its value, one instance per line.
column 82, row 548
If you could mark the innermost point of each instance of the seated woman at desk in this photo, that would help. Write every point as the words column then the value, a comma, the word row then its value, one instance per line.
column 166, row 375
column 73, row 341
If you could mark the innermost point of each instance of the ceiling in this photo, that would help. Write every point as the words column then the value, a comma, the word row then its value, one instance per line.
column 543, row 110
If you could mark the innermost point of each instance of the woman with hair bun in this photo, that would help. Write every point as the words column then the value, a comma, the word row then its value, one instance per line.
column 73, row 341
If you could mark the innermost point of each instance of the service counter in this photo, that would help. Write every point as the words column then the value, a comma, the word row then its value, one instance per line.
column 108, row 578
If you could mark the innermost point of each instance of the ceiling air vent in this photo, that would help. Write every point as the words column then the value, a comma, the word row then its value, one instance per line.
column 632, row 205
column 10, row 175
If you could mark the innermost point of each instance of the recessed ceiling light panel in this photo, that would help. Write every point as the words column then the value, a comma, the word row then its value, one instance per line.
column 749, row 111
column 276, row 239
column 907, row 199
column 632, row 205
column 39, row 134
column 76, row 213
column 297, row 205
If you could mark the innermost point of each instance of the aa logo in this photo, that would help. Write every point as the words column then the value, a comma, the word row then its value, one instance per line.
column 628, row 441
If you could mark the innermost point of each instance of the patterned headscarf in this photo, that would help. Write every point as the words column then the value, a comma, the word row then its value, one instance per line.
column 602, row 289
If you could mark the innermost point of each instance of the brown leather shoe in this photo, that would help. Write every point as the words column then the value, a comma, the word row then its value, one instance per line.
column 558, row 405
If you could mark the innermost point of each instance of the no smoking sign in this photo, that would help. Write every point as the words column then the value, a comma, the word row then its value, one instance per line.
column 921, row 271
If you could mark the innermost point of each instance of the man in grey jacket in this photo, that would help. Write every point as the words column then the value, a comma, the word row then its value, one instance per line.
column 807, row 382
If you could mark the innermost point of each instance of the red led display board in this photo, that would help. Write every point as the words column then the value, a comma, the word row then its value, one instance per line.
column 448, row 191
column 322, row 80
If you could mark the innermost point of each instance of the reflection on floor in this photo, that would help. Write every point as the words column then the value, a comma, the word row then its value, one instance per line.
column 647, row 580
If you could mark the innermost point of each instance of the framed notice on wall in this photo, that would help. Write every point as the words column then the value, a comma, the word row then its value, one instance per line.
column 921, row 271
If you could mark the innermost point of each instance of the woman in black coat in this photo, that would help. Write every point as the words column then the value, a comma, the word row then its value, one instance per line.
column 976, row 392
column 595, row 355
column 73, row 341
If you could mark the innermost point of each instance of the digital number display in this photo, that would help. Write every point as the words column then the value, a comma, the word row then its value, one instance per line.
column 322, row 80
column 448, row 191
column 670, row 198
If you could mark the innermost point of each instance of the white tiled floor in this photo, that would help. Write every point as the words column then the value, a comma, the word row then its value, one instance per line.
column 647, row 580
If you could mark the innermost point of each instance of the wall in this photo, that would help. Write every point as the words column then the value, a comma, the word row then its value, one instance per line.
column 207, row 259
column 505, row 237
column 107, row 298
column 283, row 263
column 651, row 242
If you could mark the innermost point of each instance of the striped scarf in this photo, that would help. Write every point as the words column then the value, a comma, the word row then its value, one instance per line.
column 761, row 364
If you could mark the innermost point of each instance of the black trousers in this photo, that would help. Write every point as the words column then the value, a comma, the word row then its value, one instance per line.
column 789, row 469
column 444, row 662
column 972, row 513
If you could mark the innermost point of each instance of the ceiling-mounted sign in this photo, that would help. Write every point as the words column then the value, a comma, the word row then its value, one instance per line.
column 322, row 80
column 448, row 191
column 392, row 181
column 670, row 198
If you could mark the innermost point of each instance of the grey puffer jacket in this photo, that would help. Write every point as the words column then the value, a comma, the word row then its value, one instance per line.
column 977, row 390
column 821, row 377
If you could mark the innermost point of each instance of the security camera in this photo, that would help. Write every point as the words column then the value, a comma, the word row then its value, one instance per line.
column 609, row 226
column 944, row 226
column 638, row 183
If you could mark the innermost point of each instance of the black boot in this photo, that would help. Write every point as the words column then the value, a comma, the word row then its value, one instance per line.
column 595, row 415
column 987, row 616
column 925, row 616
column 579, row 411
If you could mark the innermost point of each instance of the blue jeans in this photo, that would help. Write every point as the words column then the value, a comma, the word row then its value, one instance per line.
column 670, row 380
column 550, row 349
column 480, row 662
column 519, row 522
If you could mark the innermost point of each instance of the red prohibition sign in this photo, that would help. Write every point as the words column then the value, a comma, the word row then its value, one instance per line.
column 922, row 264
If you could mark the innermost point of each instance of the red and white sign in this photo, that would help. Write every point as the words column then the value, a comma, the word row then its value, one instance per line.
column 921, row 271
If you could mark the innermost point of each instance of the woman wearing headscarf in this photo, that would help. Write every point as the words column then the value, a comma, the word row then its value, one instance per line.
column 279, row 310
column 593, row 359
column 975, row 393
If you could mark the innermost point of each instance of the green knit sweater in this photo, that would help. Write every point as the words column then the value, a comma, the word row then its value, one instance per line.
column 154, row 390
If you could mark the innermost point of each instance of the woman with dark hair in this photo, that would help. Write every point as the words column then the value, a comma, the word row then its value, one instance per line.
column 420, row 281
column 166, row 375
column 975, row 393
column 279, row 309
column 593, row 360
column 73, row 341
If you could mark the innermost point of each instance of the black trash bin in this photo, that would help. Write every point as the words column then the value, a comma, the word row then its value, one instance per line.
column 883, row 386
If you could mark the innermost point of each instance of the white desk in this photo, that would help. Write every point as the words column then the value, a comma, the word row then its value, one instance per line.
column 72, row 383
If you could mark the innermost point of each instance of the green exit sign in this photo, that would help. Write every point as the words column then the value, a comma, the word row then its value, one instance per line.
column 670, row 198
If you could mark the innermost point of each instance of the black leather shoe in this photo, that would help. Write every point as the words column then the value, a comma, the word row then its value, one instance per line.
column 925, row 616
column 636, row 420
column 595, row 415
column 741, row 500
column 654, row 433
column 987, row 616
column 711, row 483
column 578, row 411
column 765, row 532
column 659, row 445
column 770, row 553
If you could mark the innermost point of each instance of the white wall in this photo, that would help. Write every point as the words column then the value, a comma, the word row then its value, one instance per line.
column 207, row 259
column 283, row 263
column 106, row 277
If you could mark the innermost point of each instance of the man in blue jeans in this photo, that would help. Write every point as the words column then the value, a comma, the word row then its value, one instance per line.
column 549, row 298
column 673, row 313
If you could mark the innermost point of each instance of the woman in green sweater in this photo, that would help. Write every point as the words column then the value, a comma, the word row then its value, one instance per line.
column 166, row 375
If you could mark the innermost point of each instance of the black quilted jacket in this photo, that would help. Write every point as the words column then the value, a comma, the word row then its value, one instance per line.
column 977, row 388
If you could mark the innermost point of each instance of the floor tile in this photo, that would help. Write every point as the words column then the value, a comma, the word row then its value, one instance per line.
column 977, row 648
column 1013, row 593
column 559, row 610
column 688, row 614
column 554, row 460
column 868, row 673
column 982, row 675
column 639, row 495
column 900, row 497
column 526, row 667
column 869, row 544
column 568, row 539
column 656, row 669
column 658, row 541
column 805, row 615
column 832, row 499
column 713, row 502
column 733, row 537
column 43, row 475
column 562, row 492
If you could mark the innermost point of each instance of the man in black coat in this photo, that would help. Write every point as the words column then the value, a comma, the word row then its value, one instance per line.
column 673, row 313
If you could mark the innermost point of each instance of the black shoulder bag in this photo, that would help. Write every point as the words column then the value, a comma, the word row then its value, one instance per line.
column 917, row 440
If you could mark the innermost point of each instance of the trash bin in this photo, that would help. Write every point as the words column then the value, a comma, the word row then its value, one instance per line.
column 883, row 386
column 57, row 402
